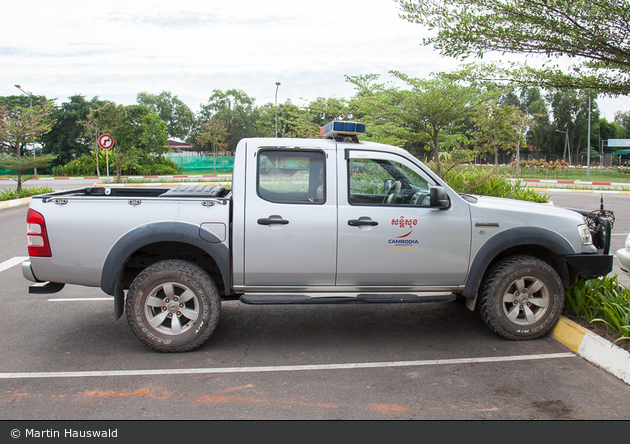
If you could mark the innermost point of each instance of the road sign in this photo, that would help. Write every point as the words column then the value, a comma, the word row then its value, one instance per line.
column 105, row 141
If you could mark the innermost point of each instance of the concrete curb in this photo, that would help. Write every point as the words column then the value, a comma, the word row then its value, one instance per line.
column 572, row 182
column 14, row 202
column 593, row 348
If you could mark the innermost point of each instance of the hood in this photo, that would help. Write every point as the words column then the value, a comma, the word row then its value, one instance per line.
column 521, row 212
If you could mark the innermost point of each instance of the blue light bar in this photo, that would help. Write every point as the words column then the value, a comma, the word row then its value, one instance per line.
column 342, row 128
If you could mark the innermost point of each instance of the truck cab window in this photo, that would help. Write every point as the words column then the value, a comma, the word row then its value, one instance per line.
column 385, row 182
column 291, row 176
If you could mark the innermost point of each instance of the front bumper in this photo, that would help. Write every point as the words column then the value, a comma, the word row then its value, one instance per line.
column 590, row 266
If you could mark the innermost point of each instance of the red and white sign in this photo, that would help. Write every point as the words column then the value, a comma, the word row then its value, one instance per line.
column 105, row 141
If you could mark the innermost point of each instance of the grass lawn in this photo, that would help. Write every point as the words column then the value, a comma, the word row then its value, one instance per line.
column 595, row 175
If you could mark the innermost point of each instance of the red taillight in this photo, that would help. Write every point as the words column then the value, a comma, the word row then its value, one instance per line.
column 36, row 235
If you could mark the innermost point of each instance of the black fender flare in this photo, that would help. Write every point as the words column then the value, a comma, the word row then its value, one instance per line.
column 155, row 232
column 512, row 237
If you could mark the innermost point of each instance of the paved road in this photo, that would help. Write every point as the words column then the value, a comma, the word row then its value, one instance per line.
column 65, row 357
column 57, row 184
column 69, row 183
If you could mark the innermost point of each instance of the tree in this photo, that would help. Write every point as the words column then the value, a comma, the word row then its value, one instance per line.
column 429, row 109
column 237, row 111
column 570, row 114
column 323, row 110
column 215, row 135
column 176, row 114
column 542, row 133
column 370, row 105
column 622, row 118
column 68, row 137
column 594, row 34
column 19, row 126
column 520, row 122
column 136, row 132
column 296, row 122
column 492, row 128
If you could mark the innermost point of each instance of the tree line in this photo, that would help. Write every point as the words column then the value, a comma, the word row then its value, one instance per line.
column 425, row 116
column 494, row 112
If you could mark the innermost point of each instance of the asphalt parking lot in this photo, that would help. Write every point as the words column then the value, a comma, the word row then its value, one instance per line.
column 64, row 357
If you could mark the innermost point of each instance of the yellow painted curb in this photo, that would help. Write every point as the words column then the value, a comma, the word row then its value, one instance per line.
column 14, row 202
column 569, row 333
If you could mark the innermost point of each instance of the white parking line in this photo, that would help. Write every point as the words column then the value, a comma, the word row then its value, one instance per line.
column 280, row 368
column 80, row 299
column 12, row 262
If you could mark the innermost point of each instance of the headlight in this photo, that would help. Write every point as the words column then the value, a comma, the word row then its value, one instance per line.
column 585, row 234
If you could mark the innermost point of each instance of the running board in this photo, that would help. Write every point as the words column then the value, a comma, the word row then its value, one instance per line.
column 45, row 287
column 341, row 298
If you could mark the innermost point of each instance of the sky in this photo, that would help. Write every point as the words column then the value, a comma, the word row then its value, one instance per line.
column 116, row 49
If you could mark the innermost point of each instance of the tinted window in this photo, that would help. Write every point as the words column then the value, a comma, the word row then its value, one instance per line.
column 385, row 182
column 291, row 176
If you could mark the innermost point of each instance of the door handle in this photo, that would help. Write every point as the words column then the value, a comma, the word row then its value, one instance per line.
column 270, row 221
column 360, row 222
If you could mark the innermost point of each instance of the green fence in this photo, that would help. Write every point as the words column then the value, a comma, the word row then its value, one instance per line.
column 204, row 164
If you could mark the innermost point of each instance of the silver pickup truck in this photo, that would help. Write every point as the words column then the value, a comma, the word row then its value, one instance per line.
column 312, row 221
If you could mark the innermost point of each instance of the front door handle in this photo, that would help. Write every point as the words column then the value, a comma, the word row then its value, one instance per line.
column 361, row 222
column 270, row 221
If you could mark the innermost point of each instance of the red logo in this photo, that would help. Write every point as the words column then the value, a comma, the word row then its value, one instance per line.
column 402, row 223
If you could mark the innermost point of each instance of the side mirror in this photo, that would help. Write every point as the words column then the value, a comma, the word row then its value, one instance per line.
column 387, row 184
column 439, row 198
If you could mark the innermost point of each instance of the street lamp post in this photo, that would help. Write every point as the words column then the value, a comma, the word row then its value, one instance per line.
column 566, row 144
column 277, row 86
column 30, row 96
column 588, row 146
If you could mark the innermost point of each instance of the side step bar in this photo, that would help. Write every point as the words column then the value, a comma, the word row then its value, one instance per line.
column 341, row 298
column 45, row 288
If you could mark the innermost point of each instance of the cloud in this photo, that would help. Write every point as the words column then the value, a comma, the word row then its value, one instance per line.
column 117, row 48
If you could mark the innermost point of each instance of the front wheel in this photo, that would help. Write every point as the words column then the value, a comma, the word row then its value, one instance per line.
column 521, row 298
column 173, row 306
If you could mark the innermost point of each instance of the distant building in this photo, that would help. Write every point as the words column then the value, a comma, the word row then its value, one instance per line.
column 179, row 147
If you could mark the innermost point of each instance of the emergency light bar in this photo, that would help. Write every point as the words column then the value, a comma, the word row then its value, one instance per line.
column 339, row 128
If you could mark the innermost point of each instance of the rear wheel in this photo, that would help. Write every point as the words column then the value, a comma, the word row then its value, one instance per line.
column 173, row 306
column 521, row 298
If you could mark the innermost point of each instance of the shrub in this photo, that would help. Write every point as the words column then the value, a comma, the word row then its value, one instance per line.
column 487, row 183
column 602, row 300
column 9, row 194
column 141, row 165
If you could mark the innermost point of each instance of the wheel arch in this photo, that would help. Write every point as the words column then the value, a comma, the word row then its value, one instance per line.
column 150, row 243
column 534, row 241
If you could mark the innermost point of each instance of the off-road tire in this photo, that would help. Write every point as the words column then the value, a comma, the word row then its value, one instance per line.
column 173, row 306
column 521, row 298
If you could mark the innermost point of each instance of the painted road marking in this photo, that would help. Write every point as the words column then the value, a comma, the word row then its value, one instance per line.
column 279, row 368
column 79, row 299
column 12, row 262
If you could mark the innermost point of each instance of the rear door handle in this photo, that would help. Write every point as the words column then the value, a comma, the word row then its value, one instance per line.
column 361, row 222
column 270, row 221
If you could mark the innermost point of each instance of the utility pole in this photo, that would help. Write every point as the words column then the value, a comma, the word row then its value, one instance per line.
column 277, row 86
column 588, row 146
